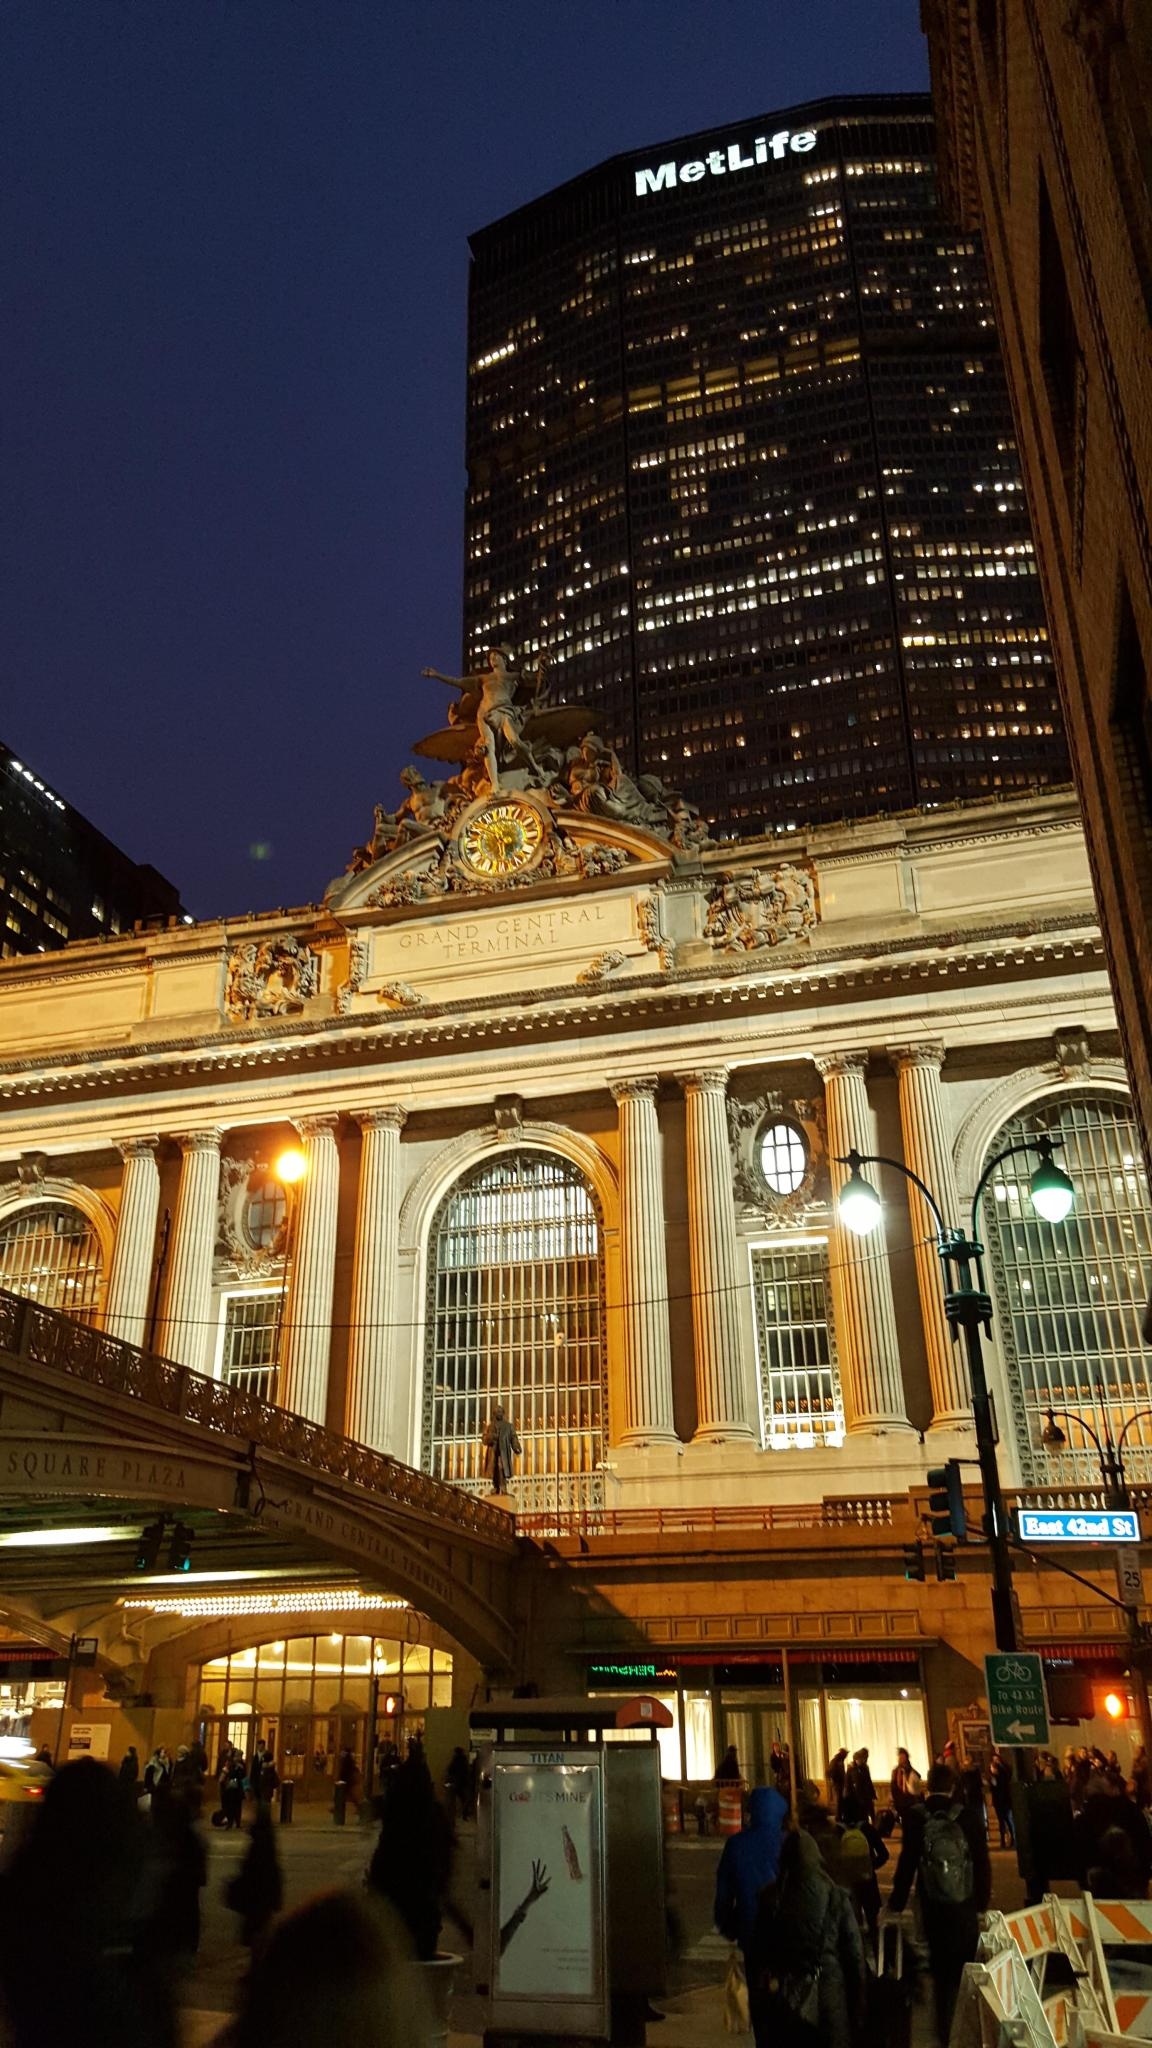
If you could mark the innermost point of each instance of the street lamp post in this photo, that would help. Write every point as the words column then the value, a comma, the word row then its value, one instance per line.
column 1110, row 1451
column 968, row 1307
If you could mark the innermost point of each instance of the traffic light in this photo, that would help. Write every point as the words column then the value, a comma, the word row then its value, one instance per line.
column 913, row 1561
column 1114, row 1702
column 148, row 1547
column 945, row 1563
column 946, row 1500
column 180, row 1549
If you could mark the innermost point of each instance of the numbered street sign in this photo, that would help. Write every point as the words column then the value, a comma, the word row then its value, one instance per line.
column 1129, row 1579
column 1017, row 1702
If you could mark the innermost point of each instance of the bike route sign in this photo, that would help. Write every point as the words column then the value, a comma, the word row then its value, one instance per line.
column 1017, row 1702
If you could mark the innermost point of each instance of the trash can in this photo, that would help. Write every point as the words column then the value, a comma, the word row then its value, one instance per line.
column 287, row 1799
column 339, row 1802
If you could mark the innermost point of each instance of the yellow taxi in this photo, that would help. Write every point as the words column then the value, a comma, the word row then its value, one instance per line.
column 23, row 1779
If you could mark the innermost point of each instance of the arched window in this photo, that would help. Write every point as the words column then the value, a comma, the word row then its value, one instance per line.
column 515, row 1319
column 51, row 1252
column 1072, row 1294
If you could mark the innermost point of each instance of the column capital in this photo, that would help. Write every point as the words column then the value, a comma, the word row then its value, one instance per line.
column 833, row 1064
column 705, row 1079
column 137, row 1148
column 634, row 1087
column 929, row 1052
column 389, row 1116
column 199, row 1141
column 315, row 1126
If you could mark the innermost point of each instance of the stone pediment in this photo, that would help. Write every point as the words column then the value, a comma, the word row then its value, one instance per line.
column 509, row 844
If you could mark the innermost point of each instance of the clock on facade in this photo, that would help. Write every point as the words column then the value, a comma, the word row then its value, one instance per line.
column 503, row 838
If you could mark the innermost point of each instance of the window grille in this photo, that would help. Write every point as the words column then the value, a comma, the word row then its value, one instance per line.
column 250, row 1337
column 799, row 1380
column 52, row 1253
column 1072, row 1294
column 783, row 1158
column 516, row 1320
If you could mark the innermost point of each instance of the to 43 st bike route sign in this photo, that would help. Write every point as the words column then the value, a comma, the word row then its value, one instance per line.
column 1017, row 1702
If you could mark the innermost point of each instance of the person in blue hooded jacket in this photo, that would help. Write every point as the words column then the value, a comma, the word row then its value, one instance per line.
column 749, row 1862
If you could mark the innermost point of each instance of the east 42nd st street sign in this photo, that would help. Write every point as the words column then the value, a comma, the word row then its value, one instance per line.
column 1017, row 1703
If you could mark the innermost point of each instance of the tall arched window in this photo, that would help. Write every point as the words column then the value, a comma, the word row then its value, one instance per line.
column 515, row 1319
column 51, row 1252
column 1073, row 1293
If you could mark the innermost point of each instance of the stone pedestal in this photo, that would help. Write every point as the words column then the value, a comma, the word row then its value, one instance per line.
column 134, row 1252
column 861, row 1280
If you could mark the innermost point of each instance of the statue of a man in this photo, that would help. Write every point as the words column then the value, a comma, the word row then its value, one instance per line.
column 493, row 699
column 501, row 1446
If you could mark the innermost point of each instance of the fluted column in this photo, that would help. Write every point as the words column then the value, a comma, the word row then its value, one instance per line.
column 643, row 1268
column 928, row 1153
column 861, row 1279
column 721, row 1392
column 372, row 1344
column 184, row 1332
column 306, row 1337
column 130, row 1273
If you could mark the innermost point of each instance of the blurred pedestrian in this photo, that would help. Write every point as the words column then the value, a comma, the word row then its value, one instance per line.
column 837, row 1775
column 232, row 1791
column 806, row 1975
column 183, row 1870
column 1001, row 1774
column 945, row 1854
column 256, row 1891
column 333, row 1971
column 859, row 1783
column 1105, row 1808
column 749, row 1861
column 1140, row 1785
column 458, row 1784
column 411, row 1862
column 728, row 1770
column 904, row 1785
column 129, row 1766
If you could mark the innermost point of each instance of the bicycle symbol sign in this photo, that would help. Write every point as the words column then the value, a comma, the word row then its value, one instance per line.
column 1017, row 1703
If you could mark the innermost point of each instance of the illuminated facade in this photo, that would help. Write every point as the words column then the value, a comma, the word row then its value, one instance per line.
column 741, row 463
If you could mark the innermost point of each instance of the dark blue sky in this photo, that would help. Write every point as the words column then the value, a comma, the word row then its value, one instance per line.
column 234, row 272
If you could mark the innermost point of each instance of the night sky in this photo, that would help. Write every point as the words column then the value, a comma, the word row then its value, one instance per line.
column 233, row 270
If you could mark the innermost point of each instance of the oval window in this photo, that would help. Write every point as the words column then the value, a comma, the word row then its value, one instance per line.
column 783, row 1158
column 264, row 1214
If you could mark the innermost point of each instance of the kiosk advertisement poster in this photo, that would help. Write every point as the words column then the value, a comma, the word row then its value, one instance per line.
column 546, row 1810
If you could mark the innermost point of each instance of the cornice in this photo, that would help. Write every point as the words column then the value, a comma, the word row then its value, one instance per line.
column 805, row 974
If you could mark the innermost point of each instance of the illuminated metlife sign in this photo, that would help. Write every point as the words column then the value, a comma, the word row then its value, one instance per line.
column 762, row 149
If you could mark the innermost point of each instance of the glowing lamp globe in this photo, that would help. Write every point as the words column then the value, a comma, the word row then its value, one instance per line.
column 291, row 1166
column 1052, row 1192
column 859, row 1205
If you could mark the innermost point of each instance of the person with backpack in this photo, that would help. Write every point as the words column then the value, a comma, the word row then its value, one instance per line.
column 807, row 1977
column 748, row 1862
column 862, row 1853
column 945, row 1855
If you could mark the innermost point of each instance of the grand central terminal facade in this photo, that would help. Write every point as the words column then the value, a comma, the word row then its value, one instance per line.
column 541, row 1110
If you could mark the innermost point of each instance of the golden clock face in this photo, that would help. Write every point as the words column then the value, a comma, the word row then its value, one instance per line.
column 502, row 839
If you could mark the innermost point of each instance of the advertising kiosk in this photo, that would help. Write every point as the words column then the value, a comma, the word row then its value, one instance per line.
column 570, row 1937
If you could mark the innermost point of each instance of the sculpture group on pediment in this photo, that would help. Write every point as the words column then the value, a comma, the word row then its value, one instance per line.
column 563, row 858
column 767, row 907
column 269, row 978
column 507, row 738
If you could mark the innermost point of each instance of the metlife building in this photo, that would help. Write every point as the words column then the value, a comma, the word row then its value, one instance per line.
column 741, row 462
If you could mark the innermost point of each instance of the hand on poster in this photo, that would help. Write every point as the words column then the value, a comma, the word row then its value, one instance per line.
column 536, row 1890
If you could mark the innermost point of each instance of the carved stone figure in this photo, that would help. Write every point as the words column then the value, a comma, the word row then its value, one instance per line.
column 501, row 1447
column 426, row 804
column 766, row 908
column 269, row 978
column 497, row 700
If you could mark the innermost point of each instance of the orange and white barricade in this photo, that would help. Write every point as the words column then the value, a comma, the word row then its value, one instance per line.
column 1119, row 1925
column 731, row 1804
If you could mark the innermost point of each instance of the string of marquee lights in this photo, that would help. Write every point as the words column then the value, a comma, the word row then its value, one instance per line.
column 216, row 1606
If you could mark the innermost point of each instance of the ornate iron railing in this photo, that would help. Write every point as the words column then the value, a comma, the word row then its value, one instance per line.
column 47, row 1337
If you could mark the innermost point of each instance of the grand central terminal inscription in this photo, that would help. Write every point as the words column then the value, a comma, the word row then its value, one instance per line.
column 557, row 939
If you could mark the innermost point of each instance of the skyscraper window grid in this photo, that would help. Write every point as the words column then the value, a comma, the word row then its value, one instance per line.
column 741, row 463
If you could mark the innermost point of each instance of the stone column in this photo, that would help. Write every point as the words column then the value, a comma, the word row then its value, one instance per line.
column 133, row 1254
column 861, row 1278
column 372, row 1343
column 643, row 1268
column 306, row 1337
column 928, row 1153
column 184, row 1333
column 721, row 1392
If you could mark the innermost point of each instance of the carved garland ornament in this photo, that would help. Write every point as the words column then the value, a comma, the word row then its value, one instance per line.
column 748, row 1119
column 269, row 978
column 769, row 907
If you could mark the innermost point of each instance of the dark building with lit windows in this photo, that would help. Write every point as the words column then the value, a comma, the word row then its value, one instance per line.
column 60, row 878
column 741, row 462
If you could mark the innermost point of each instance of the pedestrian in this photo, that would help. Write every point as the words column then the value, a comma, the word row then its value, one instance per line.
column 232, row 1791
column 837, row 1775
column 256, row 1891
column 728, row 1770
column 412, row 1859
column 348, row 1775
column 859, row 1783
column 1140, row 1785
column 458, row 1784
column 129, row 1771
column 818, row 1821
column 945, row 1854
column 183, row 1870
column 334, row 1970
column 269, row 1783
column 748, row 1862
column 905, row 1785
column 1106, row 1808
column 1001, row 1774
column 806, row 1975
column 862, row 1854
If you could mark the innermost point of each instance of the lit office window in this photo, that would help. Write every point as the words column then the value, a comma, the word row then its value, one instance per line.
column 249, row 1341
column 516, row 1321
column 51, row 1253
column 799, row 1381
column 1073, row 1293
